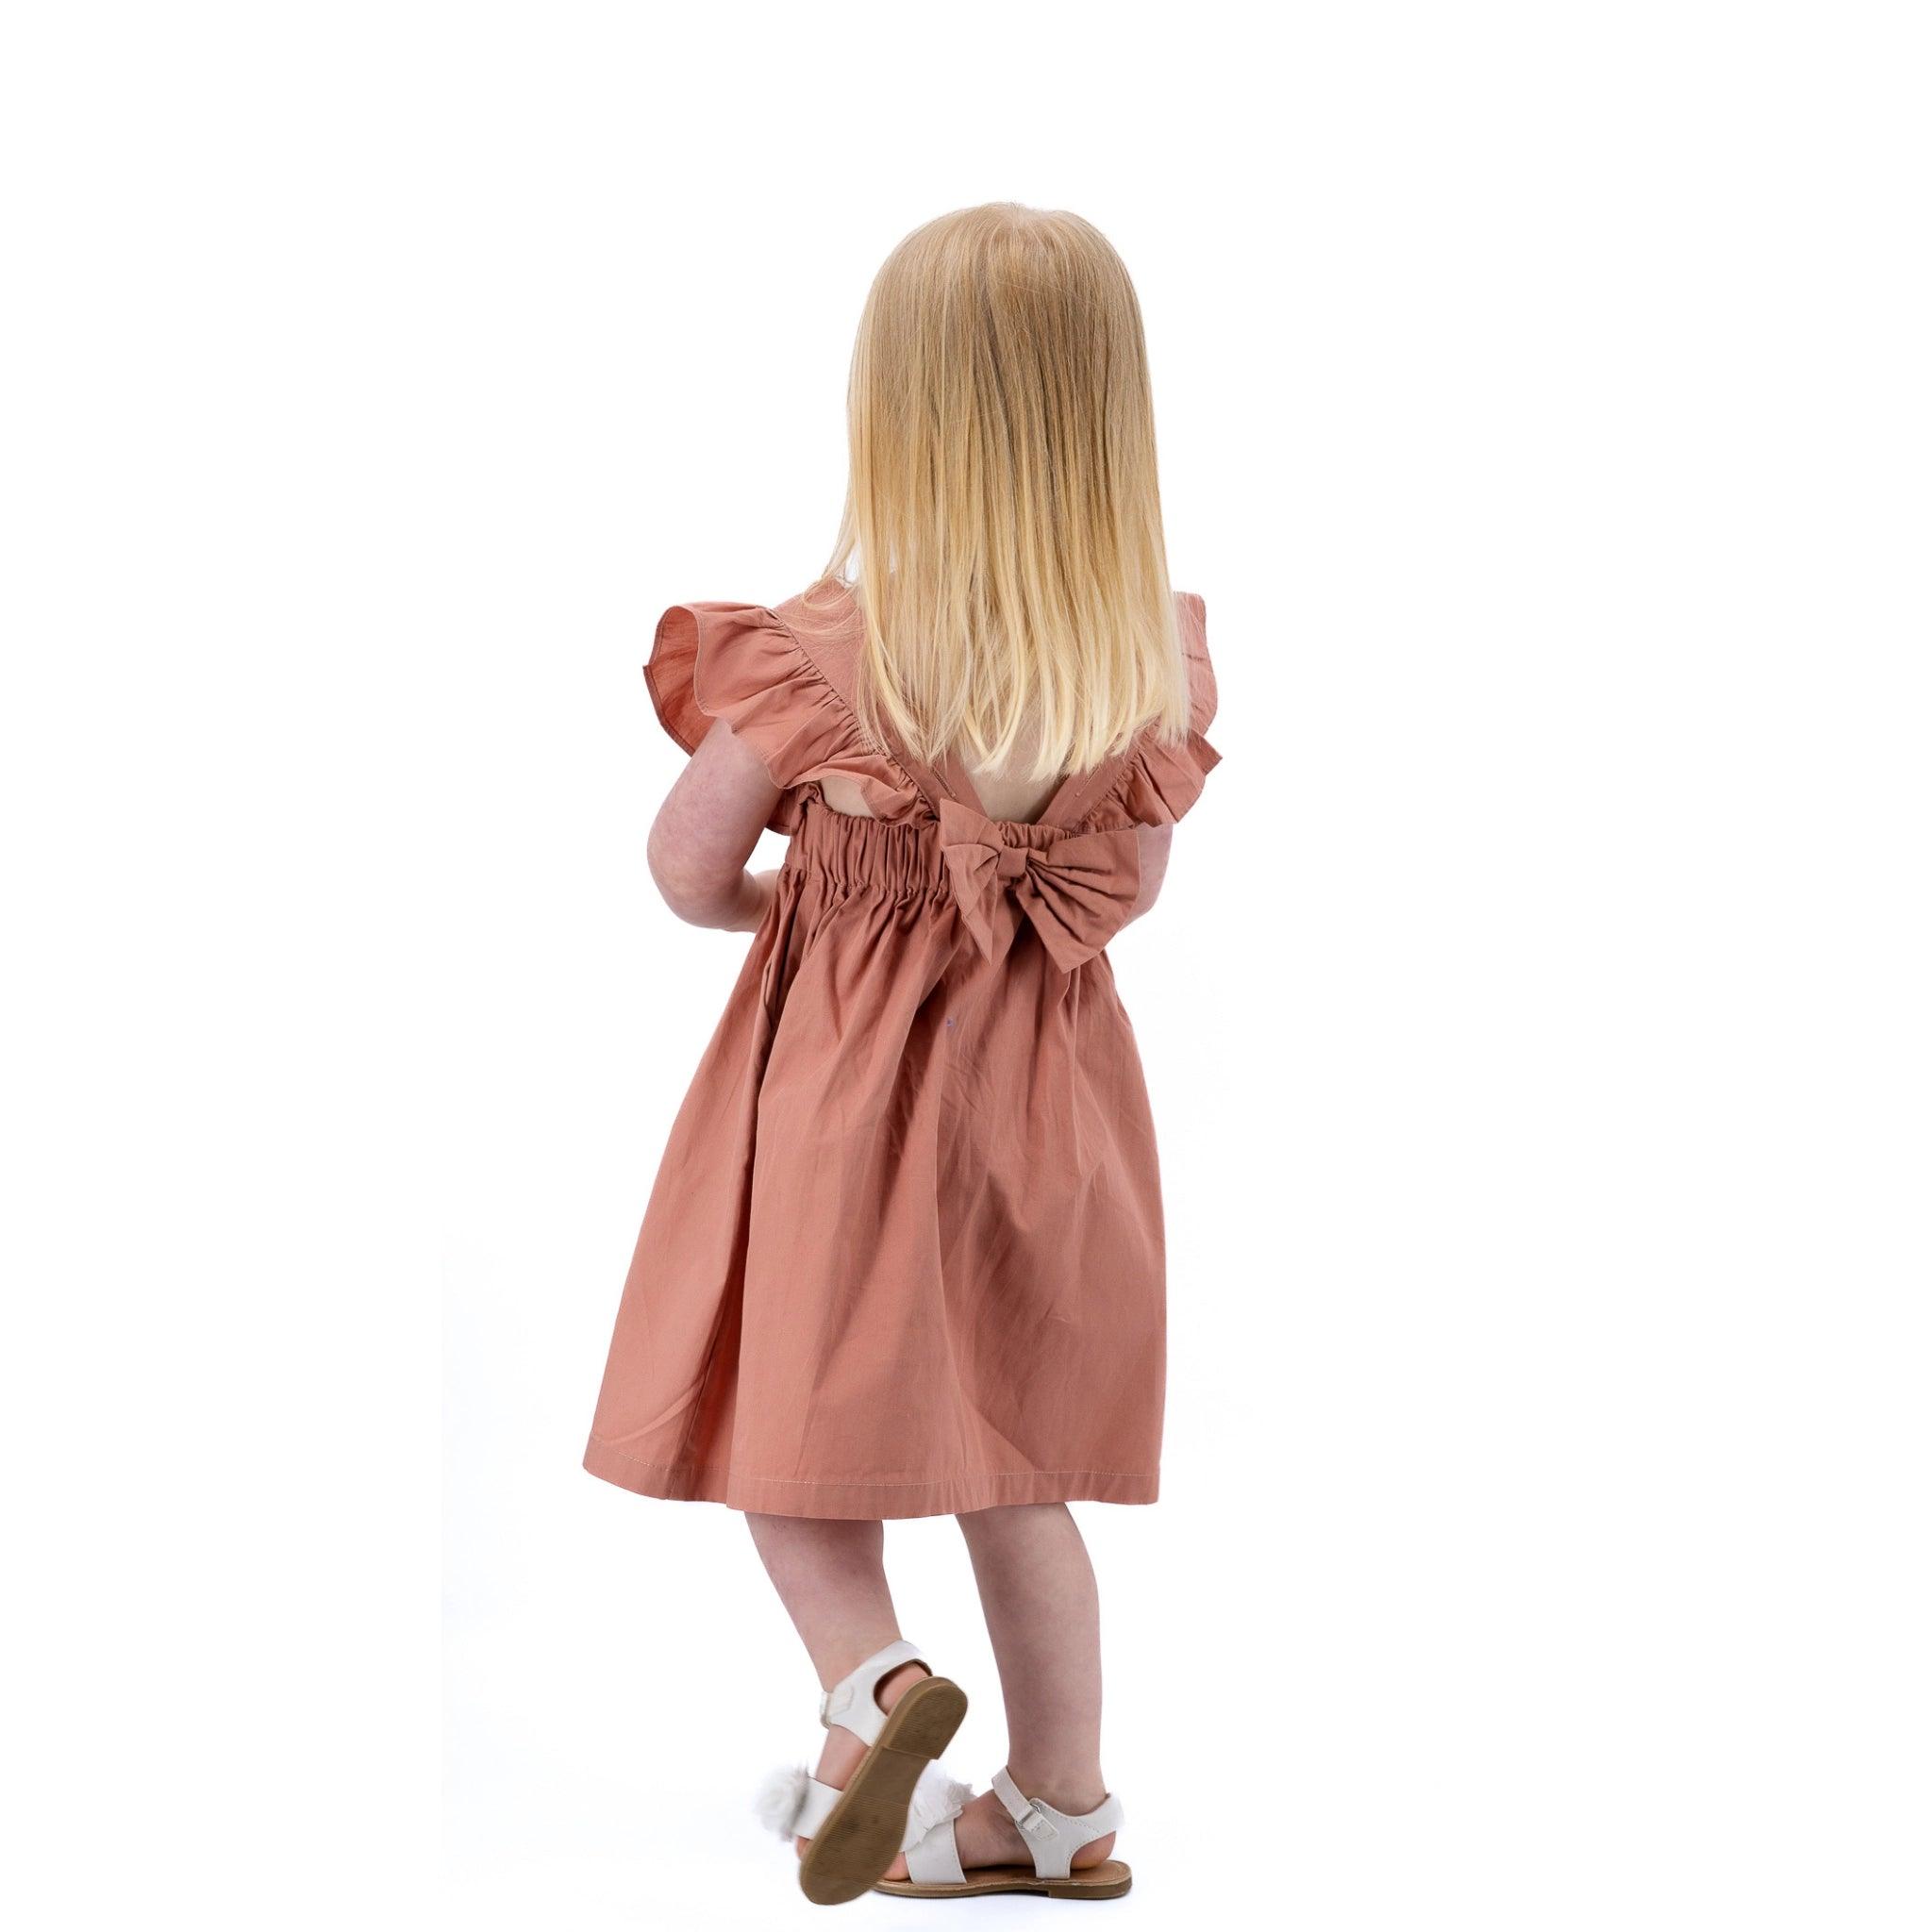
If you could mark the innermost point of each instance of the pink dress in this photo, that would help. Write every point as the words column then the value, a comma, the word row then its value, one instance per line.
column 903, row 1254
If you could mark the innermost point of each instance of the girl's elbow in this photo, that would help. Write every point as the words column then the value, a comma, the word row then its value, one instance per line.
column 698, row 894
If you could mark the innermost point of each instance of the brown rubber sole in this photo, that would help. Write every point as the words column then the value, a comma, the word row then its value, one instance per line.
column 1108, row 1879
column 860, row 1836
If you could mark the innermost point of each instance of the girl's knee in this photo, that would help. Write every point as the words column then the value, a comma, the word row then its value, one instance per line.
column 1010, row 1516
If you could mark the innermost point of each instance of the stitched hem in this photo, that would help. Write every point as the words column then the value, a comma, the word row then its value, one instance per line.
column 865, row 1499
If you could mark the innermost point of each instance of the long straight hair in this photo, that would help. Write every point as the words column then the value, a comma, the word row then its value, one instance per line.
column 1002, row 525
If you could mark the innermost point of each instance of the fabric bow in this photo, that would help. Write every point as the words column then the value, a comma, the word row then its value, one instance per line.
column 1077, row 889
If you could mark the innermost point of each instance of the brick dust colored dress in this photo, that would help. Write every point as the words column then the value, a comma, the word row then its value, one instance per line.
column 904, row 1256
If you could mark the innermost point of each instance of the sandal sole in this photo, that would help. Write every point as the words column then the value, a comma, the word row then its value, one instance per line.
column 860, row 1835
column 1110, row 1878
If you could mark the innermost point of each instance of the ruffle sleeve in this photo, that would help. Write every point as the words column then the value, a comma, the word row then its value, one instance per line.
column 1163, row 779
column 741, row 663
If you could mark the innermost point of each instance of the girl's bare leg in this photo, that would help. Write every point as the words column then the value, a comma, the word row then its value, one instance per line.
column 1043, row 1613
column 831, row 1579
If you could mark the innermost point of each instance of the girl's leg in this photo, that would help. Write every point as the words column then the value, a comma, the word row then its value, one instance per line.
column 1043, row 1613
column 831, row 1577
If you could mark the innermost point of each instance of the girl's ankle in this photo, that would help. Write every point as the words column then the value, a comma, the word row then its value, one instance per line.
column 894, row 1685
column 1073, row 1793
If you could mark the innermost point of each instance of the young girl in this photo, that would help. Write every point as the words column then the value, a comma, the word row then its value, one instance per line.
column 904, row 1256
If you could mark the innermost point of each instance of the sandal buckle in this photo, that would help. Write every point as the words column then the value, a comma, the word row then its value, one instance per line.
column 1035, row 1824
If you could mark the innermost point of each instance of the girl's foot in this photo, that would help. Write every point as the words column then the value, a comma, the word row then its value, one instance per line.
column 843, row 1751
column 889, row 1719
column 1009, row 1842
column 987, row 1835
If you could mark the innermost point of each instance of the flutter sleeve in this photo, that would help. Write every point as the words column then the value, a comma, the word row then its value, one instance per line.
column 1164, row 778
column 740, row 662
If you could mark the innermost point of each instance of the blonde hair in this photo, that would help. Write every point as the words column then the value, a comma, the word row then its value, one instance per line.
column 1004, row 508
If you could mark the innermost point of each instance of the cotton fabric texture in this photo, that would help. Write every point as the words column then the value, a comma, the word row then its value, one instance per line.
column 904, row 1254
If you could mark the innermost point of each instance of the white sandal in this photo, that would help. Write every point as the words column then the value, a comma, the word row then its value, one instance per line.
column 1052, row 1837
column 858, row 1832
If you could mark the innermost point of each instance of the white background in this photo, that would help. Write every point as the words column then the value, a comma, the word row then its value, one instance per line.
column 1536, row 1017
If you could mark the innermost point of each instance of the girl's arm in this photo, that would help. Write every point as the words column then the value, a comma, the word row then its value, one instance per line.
column 705, row 831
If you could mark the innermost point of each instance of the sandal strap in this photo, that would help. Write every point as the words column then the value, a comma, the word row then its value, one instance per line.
column 933, row 1858
column 793, row 1805
column 1053, row 1837
column 851, row 1703
column 808, row 1803
column 814, row 1807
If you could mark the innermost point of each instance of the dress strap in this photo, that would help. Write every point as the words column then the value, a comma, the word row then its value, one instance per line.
column 1071, row 800
column 831, row 635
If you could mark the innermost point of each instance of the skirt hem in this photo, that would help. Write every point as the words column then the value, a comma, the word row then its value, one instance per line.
column 867, row 1500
